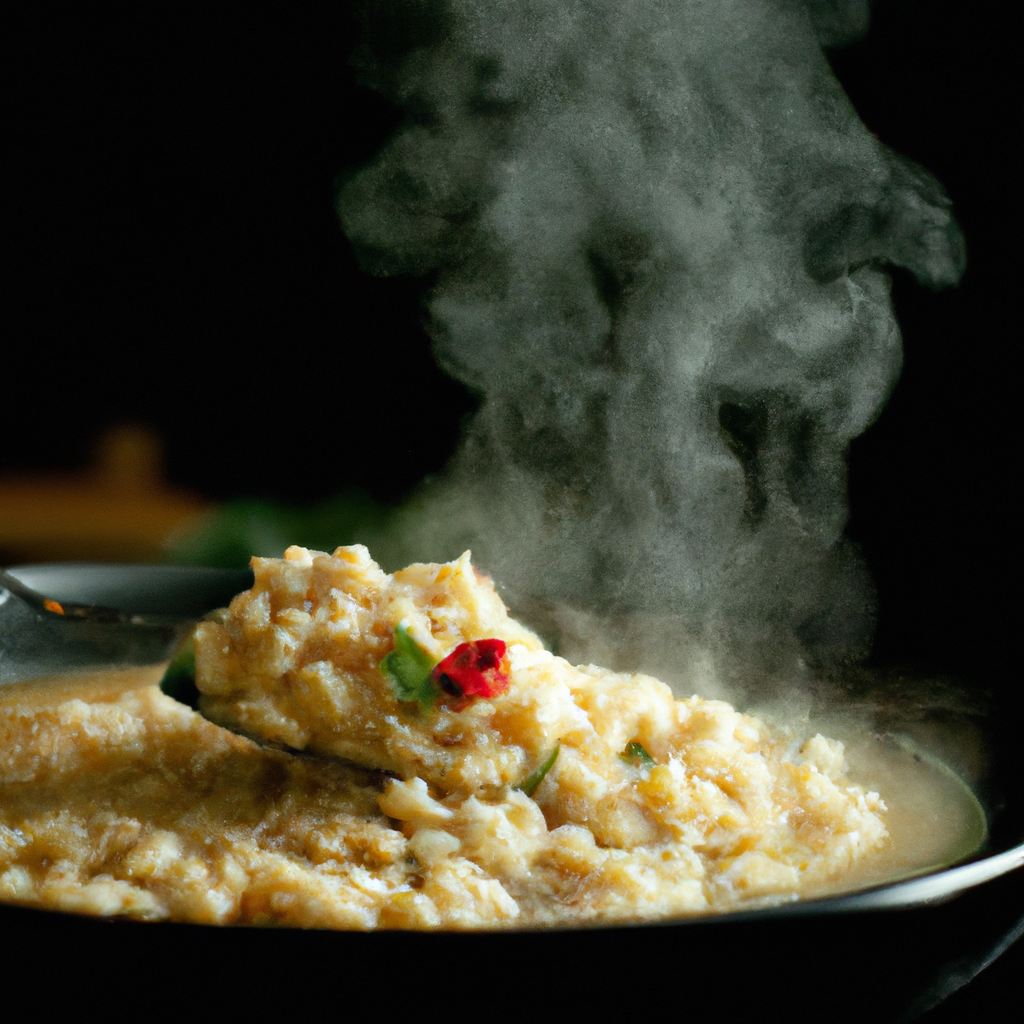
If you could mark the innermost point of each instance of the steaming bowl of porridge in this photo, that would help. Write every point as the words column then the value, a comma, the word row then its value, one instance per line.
column 346, row 773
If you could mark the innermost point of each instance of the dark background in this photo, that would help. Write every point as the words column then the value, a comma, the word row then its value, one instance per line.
column 173, row 259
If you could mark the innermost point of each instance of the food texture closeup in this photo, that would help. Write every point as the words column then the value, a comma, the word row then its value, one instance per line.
column 396, row 751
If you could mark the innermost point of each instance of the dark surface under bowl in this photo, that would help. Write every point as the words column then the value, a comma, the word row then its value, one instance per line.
column 873, row 965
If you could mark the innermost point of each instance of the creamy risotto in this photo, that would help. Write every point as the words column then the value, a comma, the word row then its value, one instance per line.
column 417, row 760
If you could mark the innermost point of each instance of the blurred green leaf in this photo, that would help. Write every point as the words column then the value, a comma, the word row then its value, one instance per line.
column 232, row 533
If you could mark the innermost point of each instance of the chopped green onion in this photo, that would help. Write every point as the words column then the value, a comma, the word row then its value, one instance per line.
column 535, row 778
column 408, row 669
column 635, row 755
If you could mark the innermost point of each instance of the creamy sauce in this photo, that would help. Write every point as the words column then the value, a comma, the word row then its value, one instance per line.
column 934, row 819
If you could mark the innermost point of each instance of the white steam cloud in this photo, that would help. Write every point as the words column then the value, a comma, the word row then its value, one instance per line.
column 654, row 233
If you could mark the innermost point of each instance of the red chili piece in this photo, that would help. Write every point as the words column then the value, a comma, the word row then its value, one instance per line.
column 478, row 668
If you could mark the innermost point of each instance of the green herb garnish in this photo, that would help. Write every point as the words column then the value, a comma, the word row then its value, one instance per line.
column 635, row 755
column 408, row 669
column 535, row 778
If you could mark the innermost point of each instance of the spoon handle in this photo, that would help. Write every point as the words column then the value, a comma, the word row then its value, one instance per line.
column 130, row 594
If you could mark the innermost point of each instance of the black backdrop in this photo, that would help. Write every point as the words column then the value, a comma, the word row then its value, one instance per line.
column 174, row 259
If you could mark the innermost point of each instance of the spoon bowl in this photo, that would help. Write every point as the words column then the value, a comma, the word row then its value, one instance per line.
column 63, row 616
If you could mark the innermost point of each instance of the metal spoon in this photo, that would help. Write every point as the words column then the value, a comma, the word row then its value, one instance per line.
column 65, row 616
column 130, row 594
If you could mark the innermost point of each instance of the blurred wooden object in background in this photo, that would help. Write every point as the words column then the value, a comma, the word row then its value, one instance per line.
column 120, row 509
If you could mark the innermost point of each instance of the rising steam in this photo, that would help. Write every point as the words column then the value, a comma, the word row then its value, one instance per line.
column 653, row 232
